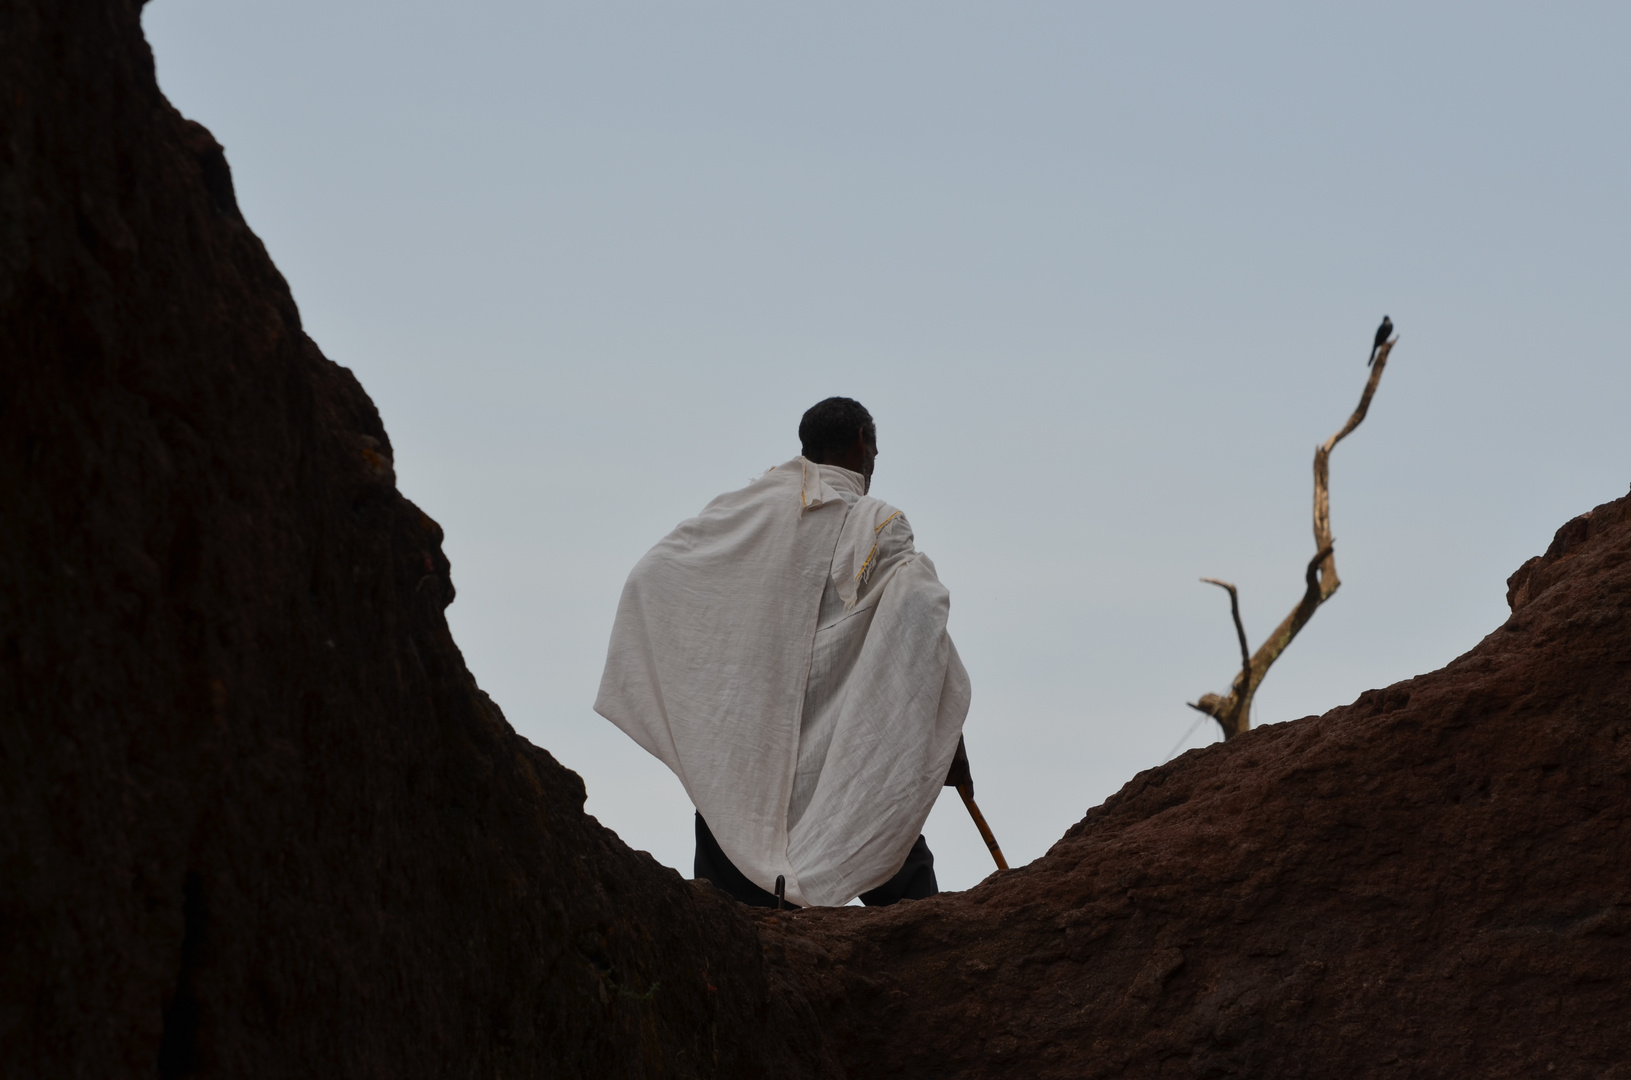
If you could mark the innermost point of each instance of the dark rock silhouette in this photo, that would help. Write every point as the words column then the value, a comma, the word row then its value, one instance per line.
column 256, row 818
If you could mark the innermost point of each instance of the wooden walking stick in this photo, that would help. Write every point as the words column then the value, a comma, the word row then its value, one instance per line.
column 967, row 792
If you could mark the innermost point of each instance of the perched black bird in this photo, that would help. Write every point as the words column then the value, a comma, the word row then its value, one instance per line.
column 1383, row 332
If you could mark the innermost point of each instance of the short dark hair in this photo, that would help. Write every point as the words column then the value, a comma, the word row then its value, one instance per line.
column 829, row 427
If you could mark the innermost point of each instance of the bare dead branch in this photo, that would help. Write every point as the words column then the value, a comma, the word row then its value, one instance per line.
column 1233, row 711
column 1236, row 696
column 1234, row 609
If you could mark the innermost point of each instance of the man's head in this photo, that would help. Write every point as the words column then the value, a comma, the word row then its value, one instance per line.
column 839, row 431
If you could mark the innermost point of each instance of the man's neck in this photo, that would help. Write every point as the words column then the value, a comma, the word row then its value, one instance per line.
column 849, row 479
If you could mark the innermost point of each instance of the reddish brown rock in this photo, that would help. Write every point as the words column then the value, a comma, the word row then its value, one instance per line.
column 256, row 819
column 1434, row 881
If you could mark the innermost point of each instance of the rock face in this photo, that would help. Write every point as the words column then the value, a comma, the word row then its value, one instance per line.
column 256, row 818
column 1434, row 881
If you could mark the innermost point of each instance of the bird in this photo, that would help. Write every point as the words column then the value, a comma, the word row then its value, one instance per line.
column 1383, row 332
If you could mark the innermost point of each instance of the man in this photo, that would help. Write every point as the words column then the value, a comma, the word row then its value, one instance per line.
column 785, row 653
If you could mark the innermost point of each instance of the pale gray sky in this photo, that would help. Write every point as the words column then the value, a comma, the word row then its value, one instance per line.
column 1105, row 274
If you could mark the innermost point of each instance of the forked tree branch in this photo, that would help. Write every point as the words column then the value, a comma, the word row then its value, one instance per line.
column 1233, row 712
column 1234, row 610
column 1245, row 652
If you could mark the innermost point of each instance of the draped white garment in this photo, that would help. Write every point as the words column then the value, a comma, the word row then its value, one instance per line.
column 785, row 653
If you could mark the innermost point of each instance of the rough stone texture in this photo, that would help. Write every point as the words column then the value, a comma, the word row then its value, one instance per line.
column 256, row 819
column 1434, row 881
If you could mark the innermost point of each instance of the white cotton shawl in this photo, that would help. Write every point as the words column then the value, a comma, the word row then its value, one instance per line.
column 785, row 653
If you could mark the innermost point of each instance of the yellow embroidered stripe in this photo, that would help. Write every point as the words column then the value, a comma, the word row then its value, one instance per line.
column 874, row 552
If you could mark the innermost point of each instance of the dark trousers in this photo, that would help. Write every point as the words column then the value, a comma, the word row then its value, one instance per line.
column 914, row 881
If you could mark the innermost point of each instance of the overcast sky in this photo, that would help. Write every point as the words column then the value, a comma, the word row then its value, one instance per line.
column 1104, row 273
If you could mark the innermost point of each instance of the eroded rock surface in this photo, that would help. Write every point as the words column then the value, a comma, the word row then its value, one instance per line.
column 256, row 819
column 1434, row 881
